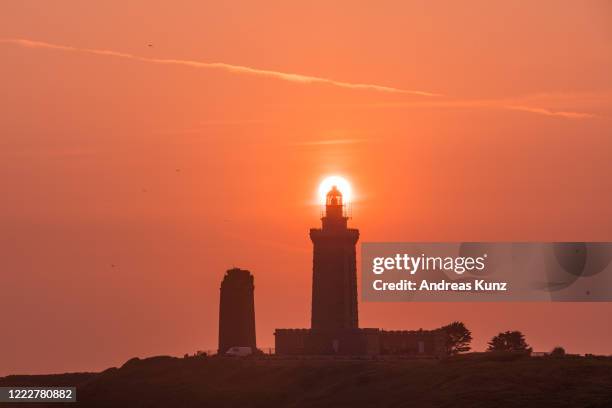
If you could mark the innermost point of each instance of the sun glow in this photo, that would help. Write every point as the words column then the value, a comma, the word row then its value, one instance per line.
column 341, row 183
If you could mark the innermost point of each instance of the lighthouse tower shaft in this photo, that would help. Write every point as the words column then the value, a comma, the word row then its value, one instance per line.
column 334, row 283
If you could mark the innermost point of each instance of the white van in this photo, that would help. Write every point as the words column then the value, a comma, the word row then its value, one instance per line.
column 239, row 351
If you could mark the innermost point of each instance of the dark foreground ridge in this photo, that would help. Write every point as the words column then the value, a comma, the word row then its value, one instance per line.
column 483, row 380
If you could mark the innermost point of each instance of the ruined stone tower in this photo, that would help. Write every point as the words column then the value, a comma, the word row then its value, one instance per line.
column 334, row 274
column 237, row 310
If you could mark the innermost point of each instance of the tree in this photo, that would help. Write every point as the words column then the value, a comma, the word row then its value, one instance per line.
column 558, row 352
column 458, row 338
column 510, row 341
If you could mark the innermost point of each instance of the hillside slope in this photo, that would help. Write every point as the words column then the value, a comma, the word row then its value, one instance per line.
column 475, row 381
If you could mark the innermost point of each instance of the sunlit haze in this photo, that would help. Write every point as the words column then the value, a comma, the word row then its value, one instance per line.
column 147, row 147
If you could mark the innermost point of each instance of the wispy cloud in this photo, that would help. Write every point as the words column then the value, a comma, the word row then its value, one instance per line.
column 540, row 104
column 548, row 112
column 240, row 69
column 525, row 104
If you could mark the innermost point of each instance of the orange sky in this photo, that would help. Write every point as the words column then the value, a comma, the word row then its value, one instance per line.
column 514, row 145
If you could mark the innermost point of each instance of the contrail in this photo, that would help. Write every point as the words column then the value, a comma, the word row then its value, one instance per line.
column 548, row 112
column 285, row 76
column 504, row 103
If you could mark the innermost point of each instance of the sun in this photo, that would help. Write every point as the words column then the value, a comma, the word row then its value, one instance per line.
column 341, row 183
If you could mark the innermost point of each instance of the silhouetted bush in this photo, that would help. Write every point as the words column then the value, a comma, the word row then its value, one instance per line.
column 558, row 352
column 509, row 341
column 458, row 338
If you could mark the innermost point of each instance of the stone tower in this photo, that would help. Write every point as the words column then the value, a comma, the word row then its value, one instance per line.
column 334, row 274
column 237, row 310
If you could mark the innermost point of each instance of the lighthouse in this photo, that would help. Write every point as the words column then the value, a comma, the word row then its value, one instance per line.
column 334, row 328
column 334, row 273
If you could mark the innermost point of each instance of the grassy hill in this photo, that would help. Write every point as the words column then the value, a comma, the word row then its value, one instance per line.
column 468, row 381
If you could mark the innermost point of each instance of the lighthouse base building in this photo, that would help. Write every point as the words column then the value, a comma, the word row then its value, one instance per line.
column 424, row 343
column 334, row 321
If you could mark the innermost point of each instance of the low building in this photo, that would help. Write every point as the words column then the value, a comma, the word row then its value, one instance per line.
column 423, row 343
